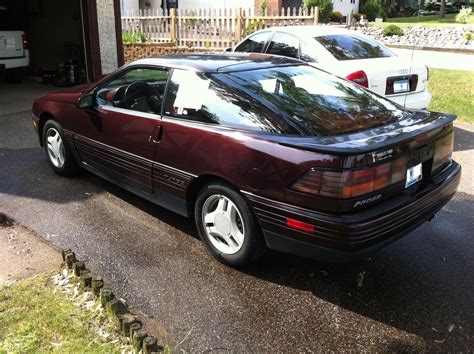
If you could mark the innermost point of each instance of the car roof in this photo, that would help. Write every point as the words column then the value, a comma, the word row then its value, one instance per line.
column 219, row 62
column 311, row 31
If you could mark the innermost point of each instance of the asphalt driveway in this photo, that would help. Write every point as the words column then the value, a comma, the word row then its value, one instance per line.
column 416, row 294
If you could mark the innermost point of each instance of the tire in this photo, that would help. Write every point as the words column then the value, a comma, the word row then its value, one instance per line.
column 65, row 163
column 234, row 237
column 14, row 76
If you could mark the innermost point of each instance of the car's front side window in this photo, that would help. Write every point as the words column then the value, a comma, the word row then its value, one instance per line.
column 203, row 98
column 284, row 44
column 139, row 89
column 253, row 44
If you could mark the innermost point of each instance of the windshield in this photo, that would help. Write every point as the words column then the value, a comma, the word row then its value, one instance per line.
column 316, row 102
column 351, row 47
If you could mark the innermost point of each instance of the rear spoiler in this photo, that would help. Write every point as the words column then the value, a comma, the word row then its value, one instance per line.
column 382, row 137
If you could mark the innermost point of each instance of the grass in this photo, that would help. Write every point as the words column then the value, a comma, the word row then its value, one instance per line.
column 453, row 92
column 36, row 317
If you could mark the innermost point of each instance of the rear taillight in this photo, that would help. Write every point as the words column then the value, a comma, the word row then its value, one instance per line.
column 443, row 151
column 359, row 77
column 352, row 183
column 25, row 41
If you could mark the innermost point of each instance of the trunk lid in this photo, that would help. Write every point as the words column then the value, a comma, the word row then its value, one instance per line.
column 382, row 73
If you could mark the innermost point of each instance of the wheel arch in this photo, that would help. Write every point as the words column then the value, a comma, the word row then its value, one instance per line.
column 43, row 118
column 198, row 183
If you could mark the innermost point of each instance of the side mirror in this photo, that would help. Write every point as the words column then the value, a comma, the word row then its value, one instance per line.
column 228, row 49
column 86, row 101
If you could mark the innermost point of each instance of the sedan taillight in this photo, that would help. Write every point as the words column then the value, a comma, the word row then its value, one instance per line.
column 352, row 183
column 359, row 77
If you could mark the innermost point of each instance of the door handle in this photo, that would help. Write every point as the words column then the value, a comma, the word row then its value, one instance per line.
column 156, row 136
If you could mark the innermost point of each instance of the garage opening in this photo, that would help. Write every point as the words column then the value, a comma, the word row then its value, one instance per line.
column 54, row 38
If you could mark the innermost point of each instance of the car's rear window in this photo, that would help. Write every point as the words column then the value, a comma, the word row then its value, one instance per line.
column 314, row 102
column 351, row 47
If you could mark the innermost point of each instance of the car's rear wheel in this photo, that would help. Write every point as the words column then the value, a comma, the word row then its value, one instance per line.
column 227, row 225
column 60, row 156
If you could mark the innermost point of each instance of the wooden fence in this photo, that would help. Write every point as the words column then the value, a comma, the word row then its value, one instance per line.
column 207, row 28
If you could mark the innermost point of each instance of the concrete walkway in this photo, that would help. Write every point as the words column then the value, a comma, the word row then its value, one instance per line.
column 441, row 60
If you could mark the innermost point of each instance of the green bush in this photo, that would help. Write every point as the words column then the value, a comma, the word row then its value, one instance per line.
column 468, row 36
column 357, row 17
column 325, row 8
column 392, row 30
column 372, row 9
column 465, row 15
column 336, row 16
column 383, row 15
column 135, row 37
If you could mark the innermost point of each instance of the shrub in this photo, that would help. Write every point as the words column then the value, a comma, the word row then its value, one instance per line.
column 465, row 15
column 325, row 8
column 135, row 37
column 336, row 16
column 357, row 17
column 371, row 8
column 383, row 15
column 392, row 30
column 468, row 36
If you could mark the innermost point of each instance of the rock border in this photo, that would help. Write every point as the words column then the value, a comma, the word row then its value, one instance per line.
column 129, row 325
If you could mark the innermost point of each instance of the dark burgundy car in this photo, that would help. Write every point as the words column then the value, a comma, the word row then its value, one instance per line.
column 263, row 151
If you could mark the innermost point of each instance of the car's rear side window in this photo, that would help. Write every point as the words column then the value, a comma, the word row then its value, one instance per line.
column 194, row 96
column 351, row 47
column 254, row 44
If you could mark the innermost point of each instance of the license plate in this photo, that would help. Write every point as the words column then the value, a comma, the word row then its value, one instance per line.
column 401, row 86
column 413, row 175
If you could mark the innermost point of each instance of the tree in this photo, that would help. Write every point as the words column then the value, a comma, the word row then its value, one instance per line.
column 442, row 8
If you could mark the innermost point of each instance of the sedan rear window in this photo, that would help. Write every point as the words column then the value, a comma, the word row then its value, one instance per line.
column 351, row 47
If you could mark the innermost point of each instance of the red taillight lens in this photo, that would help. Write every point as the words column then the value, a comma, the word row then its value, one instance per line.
column 25, row 41
column 359, row 77
column 350, row 184
column 443, row 151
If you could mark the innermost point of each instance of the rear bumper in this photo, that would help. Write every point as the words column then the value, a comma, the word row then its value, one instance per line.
column 418, row 100
column 338, row 238
column 13, row 63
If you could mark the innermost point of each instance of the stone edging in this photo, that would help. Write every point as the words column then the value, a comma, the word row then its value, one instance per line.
column 129, row 325
column 434, row 49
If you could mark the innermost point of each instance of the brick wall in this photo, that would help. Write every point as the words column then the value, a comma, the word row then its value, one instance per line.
column 138, row 51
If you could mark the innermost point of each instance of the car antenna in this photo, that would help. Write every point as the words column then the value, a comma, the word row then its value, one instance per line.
column 413, row 51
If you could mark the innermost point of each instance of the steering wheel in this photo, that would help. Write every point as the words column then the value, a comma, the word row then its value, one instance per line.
column 135, row 91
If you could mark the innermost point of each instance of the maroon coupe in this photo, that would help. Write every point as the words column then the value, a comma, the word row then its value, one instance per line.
column 263, row 151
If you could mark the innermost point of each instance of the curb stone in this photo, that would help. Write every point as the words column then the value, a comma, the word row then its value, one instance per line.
column 129, row 326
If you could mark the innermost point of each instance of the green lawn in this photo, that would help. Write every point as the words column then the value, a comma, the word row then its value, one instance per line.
column 453, row 92
column 36, row 317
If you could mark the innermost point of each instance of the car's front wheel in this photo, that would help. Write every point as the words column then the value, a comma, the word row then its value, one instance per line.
column 60, row 156
column 227, row 225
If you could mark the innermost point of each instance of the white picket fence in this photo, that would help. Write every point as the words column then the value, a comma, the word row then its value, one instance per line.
column 210, row 28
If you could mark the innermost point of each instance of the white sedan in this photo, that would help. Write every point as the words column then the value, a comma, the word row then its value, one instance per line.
column 347, row 54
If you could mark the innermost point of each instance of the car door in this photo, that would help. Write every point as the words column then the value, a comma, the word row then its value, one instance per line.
column 120, row 137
